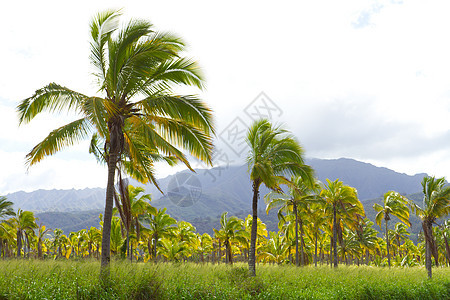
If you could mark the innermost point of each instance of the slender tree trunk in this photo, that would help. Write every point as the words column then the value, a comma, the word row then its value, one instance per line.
column 19, row 243
column 155, row 253
column 447, row 249
column 315, row 249
column 367, row 256
column 296, row 235
column 107, row 217
column 335, row 237
column 387, row 243
column 252, row 254
column 302, row 244
column 128, row 244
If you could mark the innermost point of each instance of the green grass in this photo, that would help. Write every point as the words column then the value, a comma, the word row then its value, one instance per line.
column 22, row 279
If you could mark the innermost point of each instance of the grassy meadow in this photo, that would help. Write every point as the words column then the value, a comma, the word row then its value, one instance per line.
column 28, row 279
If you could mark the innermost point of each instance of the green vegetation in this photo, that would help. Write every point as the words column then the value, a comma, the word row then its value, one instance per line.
column 79, row 280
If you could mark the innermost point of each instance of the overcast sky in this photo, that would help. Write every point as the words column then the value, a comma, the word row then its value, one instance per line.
column 368, row 80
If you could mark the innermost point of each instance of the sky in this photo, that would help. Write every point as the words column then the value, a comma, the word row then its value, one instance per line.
column 368, row 80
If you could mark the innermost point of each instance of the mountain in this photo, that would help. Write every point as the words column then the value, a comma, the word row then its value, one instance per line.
column 201, row 197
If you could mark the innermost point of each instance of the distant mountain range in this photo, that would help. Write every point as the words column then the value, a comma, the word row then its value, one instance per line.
column 201, row 197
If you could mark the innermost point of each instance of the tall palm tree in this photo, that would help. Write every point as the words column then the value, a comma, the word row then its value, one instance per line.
column 436, row 204
column 343, row 200
column 137, row 118
column 301, row 192
column 273, row 154
column 393, row 204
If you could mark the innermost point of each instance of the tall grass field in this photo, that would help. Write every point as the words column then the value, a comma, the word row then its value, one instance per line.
column 27, row 279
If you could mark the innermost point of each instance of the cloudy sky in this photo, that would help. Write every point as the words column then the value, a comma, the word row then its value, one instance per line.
column 368, row 80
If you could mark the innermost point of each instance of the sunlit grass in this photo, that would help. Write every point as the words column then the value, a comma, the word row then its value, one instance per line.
column 22, row 279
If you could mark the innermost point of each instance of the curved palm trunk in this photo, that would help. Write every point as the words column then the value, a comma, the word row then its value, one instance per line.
column 335, row 256
column 252, row 254
column 296, row 236
column 387, row 242
column 107, row 217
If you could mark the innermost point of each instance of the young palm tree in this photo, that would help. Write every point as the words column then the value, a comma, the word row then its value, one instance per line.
column 393, row 204
column 274, row 154
column 342, row 200
column 130, row 207
column 23, row 222
column 301, row 193
column 42, row 231
column 160, row 225
column 136, row 117
column 436, row 204
column 231, row 230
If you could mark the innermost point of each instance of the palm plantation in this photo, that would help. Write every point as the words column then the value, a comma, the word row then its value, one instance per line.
column 136, row 118
column 273, row 154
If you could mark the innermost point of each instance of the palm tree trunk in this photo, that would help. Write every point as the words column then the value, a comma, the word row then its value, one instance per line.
column 387, row 243
column 335, row 237
column 107, row 217
column 447, row 249
column 19, row 243
column 302, row 244
column 427, row 231
column 296, row 235
column 252, row 254
column 155, row 253
column 315, row 249
column 128, row 244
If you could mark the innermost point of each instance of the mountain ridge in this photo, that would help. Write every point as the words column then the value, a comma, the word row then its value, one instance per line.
column 201, row 197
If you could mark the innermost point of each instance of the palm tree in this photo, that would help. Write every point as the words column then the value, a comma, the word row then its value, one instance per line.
column 276, row 248
column 42, row 231
column 160, row 225
column 301, row 192
column 231, row 229
column 130, row 207
column 393, row 204
column 400, row 232
column 137, row 118
column 343, row 200
column 6, row 208
column 23, row 222
column 436, row 204
column 274, row 153
column 366, row 236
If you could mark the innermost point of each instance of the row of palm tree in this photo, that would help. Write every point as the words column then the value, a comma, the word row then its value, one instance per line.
column 308, row 232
